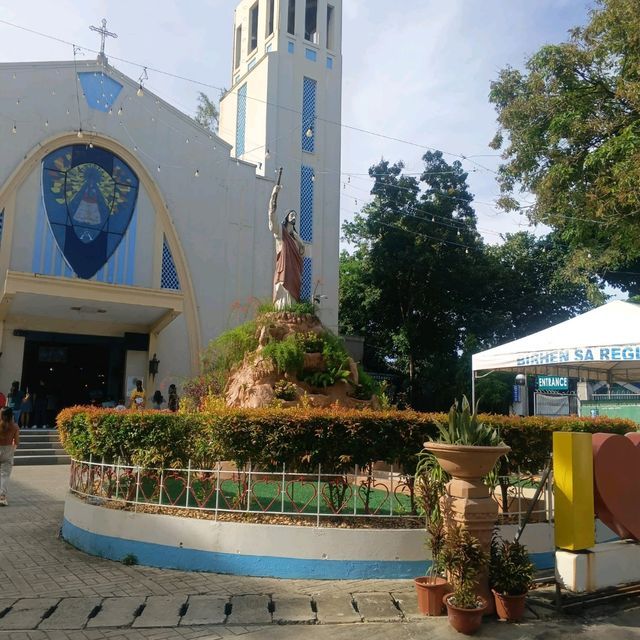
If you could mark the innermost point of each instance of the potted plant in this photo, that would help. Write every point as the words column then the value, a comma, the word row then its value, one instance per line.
column 510, row 575
column 468, row 449
column 430, row 481
column 463, row 558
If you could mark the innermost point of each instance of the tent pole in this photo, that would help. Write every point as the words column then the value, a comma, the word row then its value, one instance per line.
column 473, row 389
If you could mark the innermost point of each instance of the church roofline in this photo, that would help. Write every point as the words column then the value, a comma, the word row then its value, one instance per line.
column 98, row 65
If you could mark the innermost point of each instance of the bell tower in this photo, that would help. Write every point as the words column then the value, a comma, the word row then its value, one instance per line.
column 284, row 110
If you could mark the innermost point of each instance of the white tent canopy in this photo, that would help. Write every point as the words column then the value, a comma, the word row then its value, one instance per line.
column 601, row 344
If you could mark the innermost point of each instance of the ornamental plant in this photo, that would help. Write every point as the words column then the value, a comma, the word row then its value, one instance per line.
column 464, row 428
column 463, row 558
column 510, row 570
column 430, row 483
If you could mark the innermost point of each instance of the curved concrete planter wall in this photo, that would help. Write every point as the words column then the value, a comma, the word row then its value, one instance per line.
column 259, row 549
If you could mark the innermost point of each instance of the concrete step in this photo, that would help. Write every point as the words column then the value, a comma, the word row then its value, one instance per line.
column 25, row 443
column 30, row 451
column 21, row 461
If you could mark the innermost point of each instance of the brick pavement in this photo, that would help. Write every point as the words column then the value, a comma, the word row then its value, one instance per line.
column 49, row 590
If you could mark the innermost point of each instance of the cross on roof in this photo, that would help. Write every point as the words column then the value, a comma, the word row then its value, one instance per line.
column 103, row 35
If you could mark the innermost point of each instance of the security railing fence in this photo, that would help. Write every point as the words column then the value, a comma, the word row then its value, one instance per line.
column 360, row 494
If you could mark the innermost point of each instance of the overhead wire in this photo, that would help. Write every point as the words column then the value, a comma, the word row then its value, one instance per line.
column 176, row 76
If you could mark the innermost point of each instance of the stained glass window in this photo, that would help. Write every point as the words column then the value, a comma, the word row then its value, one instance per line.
column 89, row 195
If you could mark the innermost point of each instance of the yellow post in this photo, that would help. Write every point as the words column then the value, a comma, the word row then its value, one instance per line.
column 573, row 492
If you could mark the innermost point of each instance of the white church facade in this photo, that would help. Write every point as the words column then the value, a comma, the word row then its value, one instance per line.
column 129, row 234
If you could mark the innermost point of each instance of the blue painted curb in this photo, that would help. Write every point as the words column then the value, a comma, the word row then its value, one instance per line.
column 167, row 557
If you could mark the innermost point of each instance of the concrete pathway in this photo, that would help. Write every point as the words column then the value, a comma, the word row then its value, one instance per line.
column 50, row 590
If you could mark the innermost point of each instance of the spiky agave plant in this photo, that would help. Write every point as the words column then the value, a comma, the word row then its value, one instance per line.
column 464, row 427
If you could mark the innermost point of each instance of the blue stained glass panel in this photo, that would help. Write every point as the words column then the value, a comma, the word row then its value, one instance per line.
column 309, row 90
column 100, row 91
column 89, row 196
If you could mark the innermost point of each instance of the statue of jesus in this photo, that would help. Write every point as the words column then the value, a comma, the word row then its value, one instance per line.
column 287, row 277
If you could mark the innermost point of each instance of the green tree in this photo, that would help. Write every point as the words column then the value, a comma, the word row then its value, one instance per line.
column 570, row 134
column 426, row 293
column 526, row 293
column 207, row 113
column 407, row 285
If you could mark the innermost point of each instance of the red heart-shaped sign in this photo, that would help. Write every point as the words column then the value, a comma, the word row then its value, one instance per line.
column 616, row 472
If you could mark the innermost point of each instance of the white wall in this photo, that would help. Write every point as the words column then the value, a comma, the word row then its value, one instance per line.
column 220, row 216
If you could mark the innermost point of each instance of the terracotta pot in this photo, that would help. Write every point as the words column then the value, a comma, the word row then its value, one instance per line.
column 430, row 592
column 465, row 621
column 462, row 461
column 509, row 608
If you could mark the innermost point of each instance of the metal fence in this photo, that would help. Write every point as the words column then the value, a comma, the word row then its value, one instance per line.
column 378, row 494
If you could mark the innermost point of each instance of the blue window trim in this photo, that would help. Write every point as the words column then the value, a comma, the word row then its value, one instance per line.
column 241, row 120
column 309, row 92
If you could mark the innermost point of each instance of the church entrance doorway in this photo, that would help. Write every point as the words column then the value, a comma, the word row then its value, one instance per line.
column 74, row 369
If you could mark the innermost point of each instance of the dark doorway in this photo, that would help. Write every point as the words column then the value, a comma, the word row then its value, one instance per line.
column 74, row 369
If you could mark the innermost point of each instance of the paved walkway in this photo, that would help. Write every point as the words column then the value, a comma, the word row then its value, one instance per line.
column 50, row 590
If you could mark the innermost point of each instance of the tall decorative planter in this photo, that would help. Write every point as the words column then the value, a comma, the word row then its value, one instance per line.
column 467, row 501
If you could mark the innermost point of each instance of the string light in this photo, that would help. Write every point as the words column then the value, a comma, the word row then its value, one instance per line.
column 143, row 76
column 158, row 169
column 309, row 133
column 80, row 134
column 267, row 155
column 197, row 173
column 119, row 110
column 13, row 129
column 313, row 177
column 187, row 141
column 46, row 123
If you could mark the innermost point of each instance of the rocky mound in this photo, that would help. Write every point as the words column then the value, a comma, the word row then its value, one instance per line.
column 316, row 380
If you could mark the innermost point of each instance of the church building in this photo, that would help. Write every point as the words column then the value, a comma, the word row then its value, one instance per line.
column 129, row 234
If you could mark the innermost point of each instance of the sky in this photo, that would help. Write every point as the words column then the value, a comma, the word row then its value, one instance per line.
column 417, row 71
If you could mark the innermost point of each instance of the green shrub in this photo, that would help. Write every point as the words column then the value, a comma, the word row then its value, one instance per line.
column 284, row 390
column 367, row 387
column 301, row 437
column 226, row 351
column 287, row 355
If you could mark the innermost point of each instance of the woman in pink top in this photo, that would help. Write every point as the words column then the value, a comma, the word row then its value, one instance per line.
column 9, row 440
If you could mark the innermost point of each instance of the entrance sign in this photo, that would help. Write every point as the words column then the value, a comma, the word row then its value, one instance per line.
column 553, row 383
column 89, row 195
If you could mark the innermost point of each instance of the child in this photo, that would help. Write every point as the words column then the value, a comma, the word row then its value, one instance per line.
column 157, row 400
column 9, row 440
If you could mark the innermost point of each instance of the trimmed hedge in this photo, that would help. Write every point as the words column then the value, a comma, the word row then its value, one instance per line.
column 301, row 438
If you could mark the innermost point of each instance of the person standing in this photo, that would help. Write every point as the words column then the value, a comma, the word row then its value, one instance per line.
column 173, row 403
column 136, row 399
column 14, row 399
column 9, row 440
column 25, row 410
column 40, row 418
